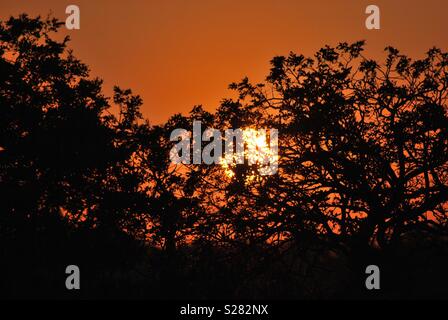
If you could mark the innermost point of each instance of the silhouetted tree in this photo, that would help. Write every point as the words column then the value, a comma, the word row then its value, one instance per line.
column 363, row 146
column 64, row 158
column 362, row 177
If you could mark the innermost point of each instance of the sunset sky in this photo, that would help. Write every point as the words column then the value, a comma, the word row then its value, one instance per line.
column 179, row 53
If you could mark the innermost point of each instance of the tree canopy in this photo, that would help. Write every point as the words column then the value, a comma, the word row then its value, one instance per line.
column 362, row 177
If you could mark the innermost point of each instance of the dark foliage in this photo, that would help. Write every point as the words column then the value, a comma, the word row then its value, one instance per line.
column 362, row 179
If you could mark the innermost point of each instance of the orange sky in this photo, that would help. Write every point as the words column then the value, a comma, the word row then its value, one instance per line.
column 178, row 53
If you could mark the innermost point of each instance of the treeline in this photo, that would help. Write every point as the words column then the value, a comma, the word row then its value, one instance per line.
column 362, row 179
